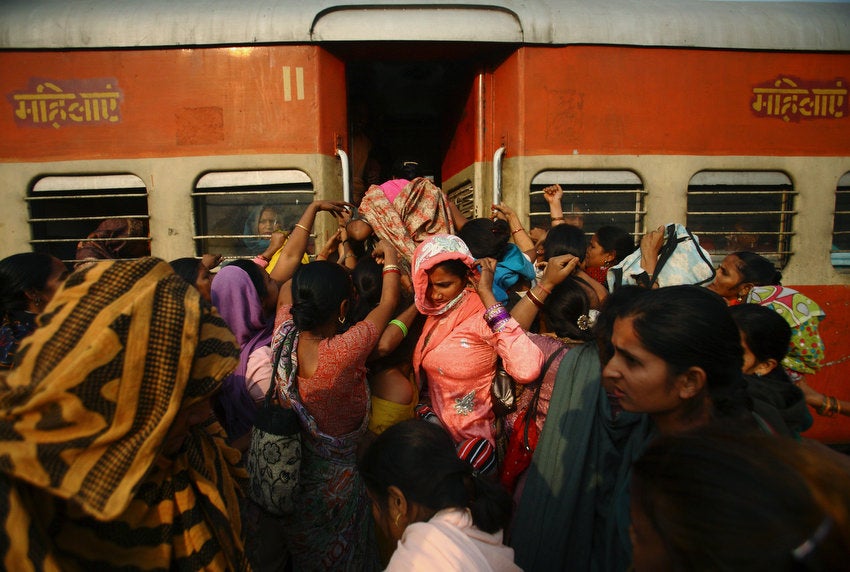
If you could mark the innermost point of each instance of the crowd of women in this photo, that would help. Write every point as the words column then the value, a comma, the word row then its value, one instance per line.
column 652, row 428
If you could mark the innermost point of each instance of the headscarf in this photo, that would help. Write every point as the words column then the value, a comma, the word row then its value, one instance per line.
column 806, row 350
column 238, row 302
column 256, row 245
column 110, row 241
column 431, row 252
column 120, row 351
column 513, row 267
column 418, row 211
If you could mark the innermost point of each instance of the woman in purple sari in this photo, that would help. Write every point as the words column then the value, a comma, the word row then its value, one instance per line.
column 245, row 296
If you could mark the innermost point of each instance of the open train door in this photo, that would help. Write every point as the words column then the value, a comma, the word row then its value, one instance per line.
column 417, row 79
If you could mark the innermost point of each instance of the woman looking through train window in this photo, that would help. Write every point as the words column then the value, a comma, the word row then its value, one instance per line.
column 28, row 282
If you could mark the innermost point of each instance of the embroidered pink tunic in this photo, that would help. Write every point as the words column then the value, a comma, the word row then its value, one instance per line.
column 456, row 354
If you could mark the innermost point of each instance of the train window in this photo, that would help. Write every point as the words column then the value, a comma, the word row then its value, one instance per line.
column 742, row 210
column 592, row 199
column 235, row 211
column 65, row 209
column 463, row 196
column 841, row 224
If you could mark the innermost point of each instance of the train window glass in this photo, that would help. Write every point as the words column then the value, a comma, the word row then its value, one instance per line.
column 463, row 196
column 841, row 224
column 235, row 211
column 733, row 211
column 592, row 199
column 63, row 210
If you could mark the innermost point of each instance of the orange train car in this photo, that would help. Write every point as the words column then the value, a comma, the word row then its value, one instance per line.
column 732, row 117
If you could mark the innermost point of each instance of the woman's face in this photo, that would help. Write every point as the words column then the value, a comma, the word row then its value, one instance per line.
column 203, row 282
column 443, row 286
column 596, row 255
column 267, row 222
column 727, row 281
column 640, row 380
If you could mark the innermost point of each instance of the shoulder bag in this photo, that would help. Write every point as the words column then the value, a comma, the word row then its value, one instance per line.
column 274, row 458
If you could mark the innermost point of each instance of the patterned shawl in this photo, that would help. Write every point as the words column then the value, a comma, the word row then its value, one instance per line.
column 418, row 211
column 806, row 351
column 123, row 349
column 115, row 238
column 236, row 298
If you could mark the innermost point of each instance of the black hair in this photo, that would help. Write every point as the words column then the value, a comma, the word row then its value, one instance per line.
column 757, row 269
column 611, row 307
column 565, row 307
column 255, row 273
column 565, row 239
column 454, row 267
column 722, row 500
column 691, row 326
column 486, row 238
column 187, row 268
column 420, row 459
column 367, row 278
column 767, row 333
column 402, row 169
column 318, row 289
column 19, row 273
column 617, row 240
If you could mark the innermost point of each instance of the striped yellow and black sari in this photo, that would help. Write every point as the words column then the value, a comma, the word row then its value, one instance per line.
column 105, row 461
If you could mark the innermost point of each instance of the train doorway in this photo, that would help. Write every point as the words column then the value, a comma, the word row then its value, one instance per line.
column 413, row 106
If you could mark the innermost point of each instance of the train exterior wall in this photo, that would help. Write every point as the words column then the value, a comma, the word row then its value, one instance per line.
column 170, row 103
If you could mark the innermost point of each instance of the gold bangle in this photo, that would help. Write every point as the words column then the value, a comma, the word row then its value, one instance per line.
column 301, row 226
column 391, row 267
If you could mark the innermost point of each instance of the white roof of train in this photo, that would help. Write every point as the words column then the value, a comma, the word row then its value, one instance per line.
column 770, row 25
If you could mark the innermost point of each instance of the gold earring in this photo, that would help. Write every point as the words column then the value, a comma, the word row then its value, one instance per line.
column 398, row 516
column 341, row 319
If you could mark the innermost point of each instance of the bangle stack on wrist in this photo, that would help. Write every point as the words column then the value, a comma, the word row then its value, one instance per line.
column 829, row 407
column 496, row 317
column 391, row 268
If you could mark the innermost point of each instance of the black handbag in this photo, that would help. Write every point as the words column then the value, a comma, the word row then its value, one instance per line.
column 502, row 391
column 274, row 456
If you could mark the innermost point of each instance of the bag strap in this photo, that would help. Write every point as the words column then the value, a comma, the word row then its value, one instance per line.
column 665, row 254
column 702, row 256
column 531, row 411
column 273, row 382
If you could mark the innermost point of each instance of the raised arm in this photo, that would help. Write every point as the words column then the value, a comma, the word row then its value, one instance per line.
column 558, row 268
column 296, row 244
column 396, row 332
column 518, row 233
column 382, row 313
column 553, row 195
column 650, row 246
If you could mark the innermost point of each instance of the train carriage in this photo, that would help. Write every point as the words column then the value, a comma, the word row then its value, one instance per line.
column 731, row 117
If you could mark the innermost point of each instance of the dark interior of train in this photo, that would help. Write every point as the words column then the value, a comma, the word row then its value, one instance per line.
column 405, row 102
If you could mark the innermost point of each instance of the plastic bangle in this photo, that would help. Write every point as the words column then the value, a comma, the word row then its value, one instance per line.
column 391, row 267
column 401, row 326
column 391, row 271
column 302, row 227
column 516, row 231
column 548, row 292
column 554, row 218
column 492, row 311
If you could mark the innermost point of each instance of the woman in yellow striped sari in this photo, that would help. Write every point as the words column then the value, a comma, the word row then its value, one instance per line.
column 109, row 455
